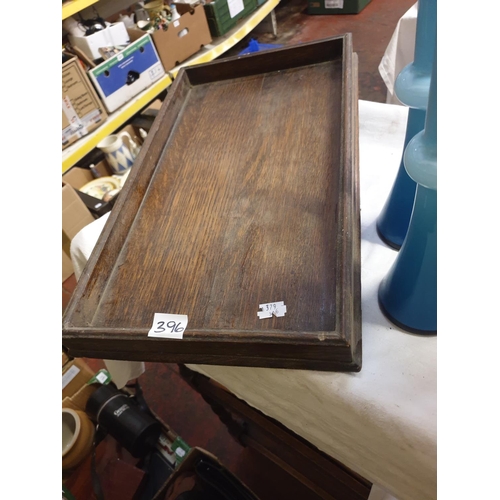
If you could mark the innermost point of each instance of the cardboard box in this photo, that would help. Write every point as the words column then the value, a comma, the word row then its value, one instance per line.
column 75, row 216
column 183, row 37
column 82, row 110
column 172, row 446
column 113, row 35
column 223, row 15
column 152, row 109
column 183, row 477
column 75, row 375
column 67, row 403
column 336, row 6
column 77, row 177
column 78, row 401
column 65, row 358
column 126, row 74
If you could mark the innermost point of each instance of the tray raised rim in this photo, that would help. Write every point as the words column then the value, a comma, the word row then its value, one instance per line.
column 73, row 332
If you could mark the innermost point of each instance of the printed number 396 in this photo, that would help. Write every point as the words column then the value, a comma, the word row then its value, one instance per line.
column 172, row 325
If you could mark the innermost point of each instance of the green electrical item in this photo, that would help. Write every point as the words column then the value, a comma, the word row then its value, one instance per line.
column 180, row 449
column 102, row 377
column 66, row 494
column 323, row 7
column 222, row 15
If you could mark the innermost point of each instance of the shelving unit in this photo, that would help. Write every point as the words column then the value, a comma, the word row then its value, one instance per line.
column 83, row 146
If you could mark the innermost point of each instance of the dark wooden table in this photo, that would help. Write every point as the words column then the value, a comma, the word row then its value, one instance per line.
column 323, row 475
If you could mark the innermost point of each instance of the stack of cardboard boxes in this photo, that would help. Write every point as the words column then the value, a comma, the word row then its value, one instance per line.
column 90, row 94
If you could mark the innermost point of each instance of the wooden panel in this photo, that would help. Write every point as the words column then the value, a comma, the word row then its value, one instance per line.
column 245, row 192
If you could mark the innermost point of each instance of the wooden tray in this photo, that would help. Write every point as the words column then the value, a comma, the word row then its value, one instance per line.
column 245, row 192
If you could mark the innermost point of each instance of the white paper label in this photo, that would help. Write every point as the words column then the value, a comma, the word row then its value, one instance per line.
column 235, row 7
column 101, row 377
column 180, row 452
column 276, row 308
column 77, row 126
column 176, row 23
column 164, row 447
column 334, row 4
column 155, row 72
column 70, row 375
column 168, row 326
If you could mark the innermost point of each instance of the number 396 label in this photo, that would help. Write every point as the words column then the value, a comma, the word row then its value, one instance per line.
column 168, row 326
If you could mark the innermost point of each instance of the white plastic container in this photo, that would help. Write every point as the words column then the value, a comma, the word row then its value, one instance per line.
column 114, row 35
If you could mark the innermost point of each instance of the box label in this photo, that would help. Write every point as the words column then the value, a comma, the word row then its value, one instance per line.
column 334, row 4
column 114, row 74
column 115, row 60
column 164, row 446
column 102, row 376
column 70, row 375
column 79, row 127
column 235, row 7
column 74, row 87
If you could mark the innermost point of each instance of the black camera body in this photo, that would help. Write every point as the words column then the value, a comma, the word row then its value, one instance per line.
column 121, row 417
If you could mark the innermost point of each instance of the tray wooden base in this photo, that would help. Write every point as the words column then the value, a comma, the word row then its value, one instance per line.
column 245, row 192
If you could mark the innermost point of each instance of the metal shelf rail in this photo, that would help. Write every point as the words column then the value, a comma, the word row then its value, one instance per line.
column 73, row 6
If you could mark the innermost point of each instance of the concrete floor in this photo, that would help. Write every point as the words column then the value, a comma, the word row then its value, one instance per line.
column 371, row 30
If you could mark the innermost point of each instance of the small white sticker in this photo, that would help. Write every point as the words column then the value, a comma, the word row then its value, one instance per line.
column 235, row 7
column 176, row 23
column 155, row 72
column 70, row 375
column 180, row 452
column 164, row 446
column 101, row 377
column 76, row 125
column 168, row 326
column 334, row 4
column 276, row 308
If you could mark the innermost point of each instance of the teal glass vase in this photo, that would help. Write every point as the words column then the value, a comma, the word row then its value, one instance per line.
column 412, row 89
column 408, row 294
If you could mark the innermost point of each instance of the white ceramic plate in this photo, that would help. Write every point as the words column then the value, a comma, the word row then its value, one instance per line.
column 99, row 187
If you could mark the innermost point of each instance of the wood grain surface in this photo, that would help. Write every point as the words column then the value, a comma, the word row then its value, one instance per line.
column 245, row 192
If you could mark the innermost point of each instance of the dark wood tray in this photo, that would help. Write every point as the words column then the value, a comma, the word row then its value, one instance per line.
column 245, row 192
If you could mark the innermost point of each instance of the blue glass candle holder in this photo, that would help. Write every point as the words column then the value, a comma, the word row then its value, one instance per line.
column 408, row 294
column 412, row 89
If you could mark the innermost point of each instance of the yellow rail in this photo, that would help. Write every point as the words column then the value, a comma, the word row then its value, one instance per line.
column 73, row 6
column 83, row 146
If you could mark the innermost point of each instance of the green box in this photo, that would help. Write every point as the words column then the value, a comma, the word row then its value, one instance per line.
column 221, row 18
column 336, row 6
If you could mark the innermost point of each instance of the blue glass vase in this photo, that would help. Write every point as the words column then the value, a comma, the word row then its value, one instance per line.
column 408, row 294
column 412, row 89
